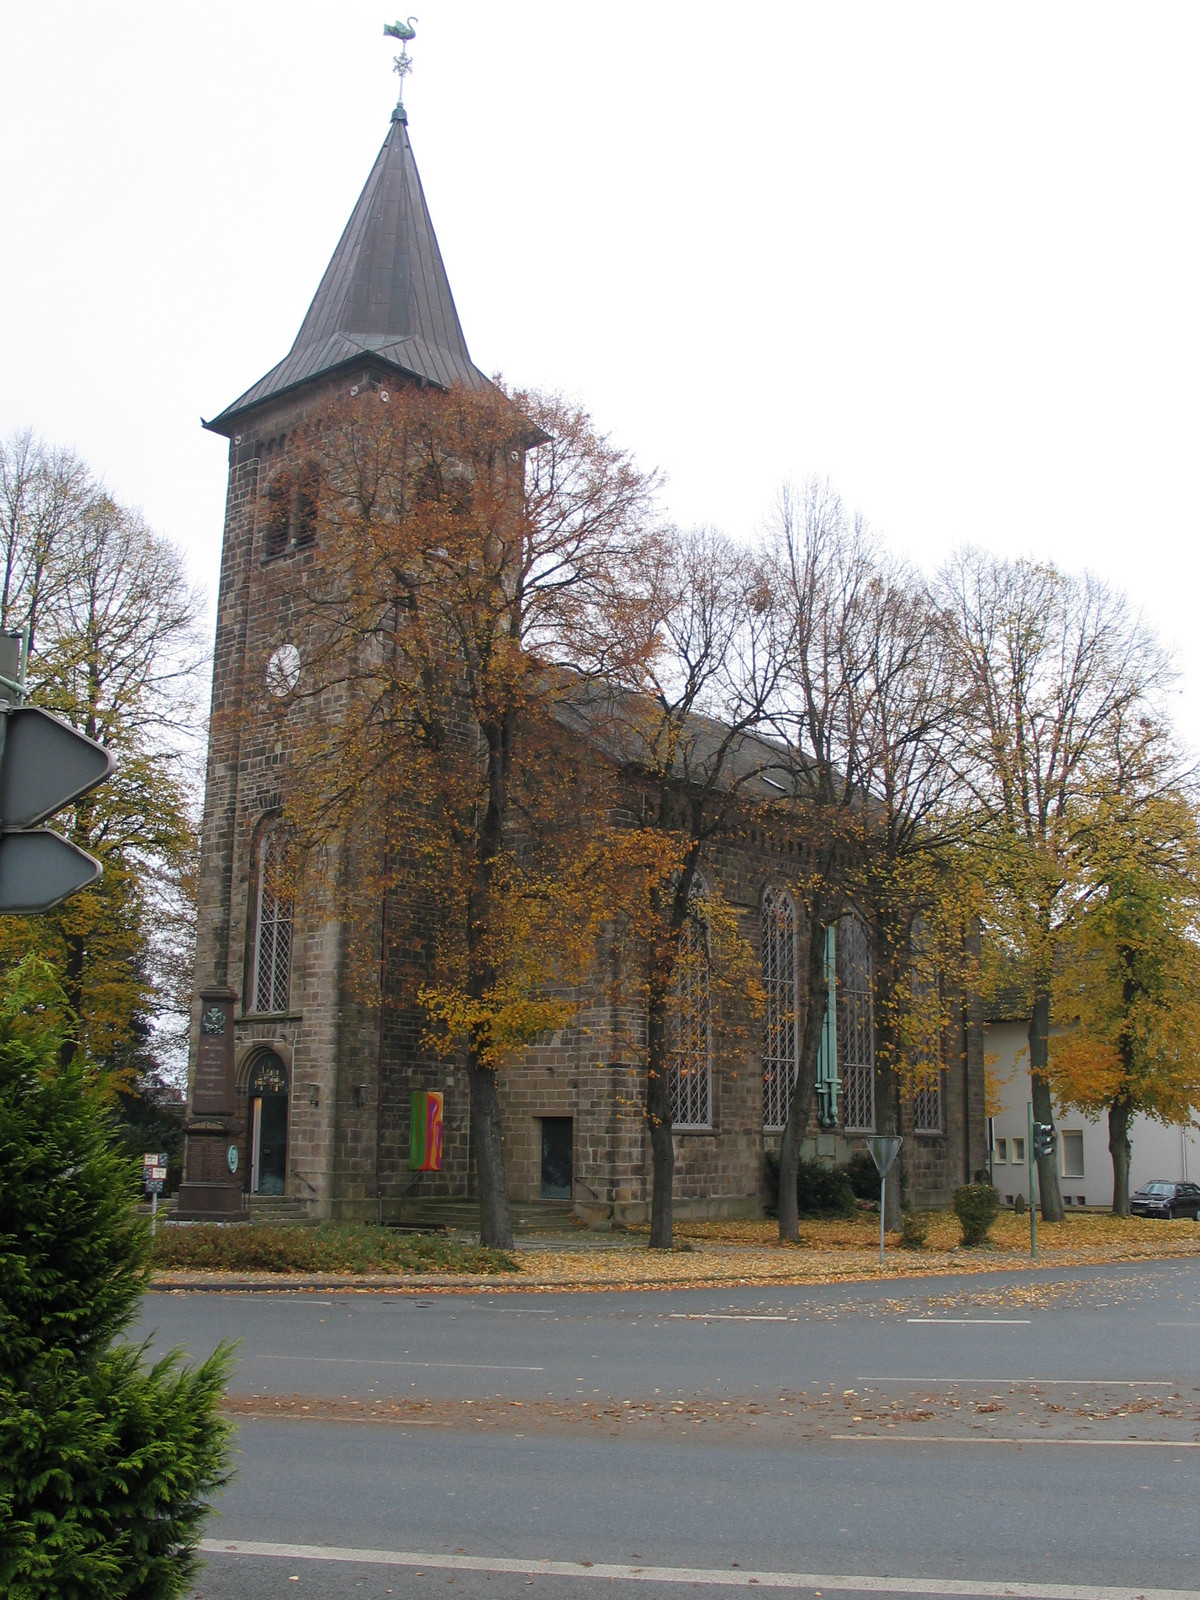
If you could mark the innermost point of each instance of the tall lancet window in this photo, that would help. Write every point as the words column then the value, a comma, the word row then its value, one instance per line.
column 926, row 1049
column 780, row 1036
column 856, row 1024
column 273, row 925
column 691, row 1023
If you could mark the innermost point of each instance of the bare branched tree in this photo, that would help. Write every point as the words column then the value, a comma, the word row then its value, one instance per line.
column 867, row 708
column 115, row 651
column 681, row 714
column 1065, row 678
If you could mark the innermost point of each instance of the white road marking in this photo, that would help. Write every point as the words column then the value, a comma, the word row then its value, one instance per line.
column 366, row 1361
column 980, row 1438
column 1177, row 1324
column 721, row 1316
column 715, row 1577
column 970, row 1322
column 1046, row 1383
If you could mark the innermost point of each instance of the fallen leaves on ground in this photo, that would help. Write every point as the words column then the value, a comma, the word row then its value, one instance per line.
column 847, row 1250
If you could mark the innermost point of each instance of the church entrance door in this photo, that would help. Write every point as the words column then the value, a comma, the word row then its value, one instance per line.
column 268, row 1125
column 556, row 1158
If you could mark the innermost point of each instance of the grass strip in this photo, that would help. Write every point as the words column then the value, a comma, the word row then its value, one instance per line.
column 325, row 1247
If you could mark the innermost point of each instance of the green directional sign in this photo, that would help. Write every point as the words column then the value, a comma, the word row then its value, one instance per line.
column 44, row 765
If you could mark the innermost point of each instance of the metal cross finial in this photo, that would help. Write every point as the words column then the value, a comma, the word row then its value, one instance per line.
column 402, row 64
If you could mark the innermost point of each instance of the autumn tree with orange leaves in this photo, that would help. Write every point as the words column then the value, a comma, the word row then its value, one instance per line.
column 1127, row 985
column 475, row 570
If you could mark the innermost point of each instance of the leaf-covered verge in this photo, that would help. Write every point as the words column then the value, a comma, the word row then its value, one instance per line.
column 327, row 1247
column 107, row 1466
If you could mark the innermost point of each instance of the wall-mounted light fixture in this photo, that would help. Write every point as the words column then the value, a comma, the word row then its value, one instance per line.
column 314, row 1094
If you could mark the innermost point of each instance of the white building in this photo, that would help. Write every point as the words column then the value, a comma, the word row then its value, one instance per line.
column 1084, row 1162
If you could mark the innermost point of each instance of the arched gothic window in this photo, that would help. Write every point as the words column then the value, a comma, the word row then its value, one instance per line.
column 780, row 1034
column 273, row 923
column 927, row 1107
column 856, row 1024
column 691, row 1026
column 927, row 1030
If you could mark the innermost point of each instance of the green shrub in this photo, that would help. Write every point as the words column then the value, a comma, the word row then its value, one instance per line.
column 976, row 1205
column 106, row 1466
column 822, row 1190
column 863, row 1176
column 914, row 1230
column 328, row 1247
column 1020, row 1204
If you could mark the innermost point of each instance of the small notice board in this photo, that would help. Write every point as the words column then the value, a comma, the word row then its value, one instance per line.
column 154, row 1172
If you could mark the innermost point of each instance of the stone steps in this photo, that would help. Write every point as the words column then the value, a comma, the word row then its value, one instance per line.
column 279, row 1210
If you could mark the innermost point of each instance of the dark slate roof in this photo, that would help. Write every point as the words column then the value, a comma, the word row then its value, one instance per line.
column 630, row 729
column 384, row 294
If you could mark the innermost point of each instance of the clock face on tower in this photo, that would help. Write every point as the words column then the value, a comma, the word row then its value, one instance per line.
column 283, row 671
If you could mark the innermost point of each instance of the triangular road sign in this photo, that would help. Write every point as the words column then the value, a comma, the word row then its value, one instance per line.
column 884, row 1148
column 39, row 869
column 46, row 765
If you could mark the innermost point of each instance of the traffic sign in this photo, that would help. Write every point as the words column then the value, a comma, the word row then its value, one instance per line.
column 884, row 1148
column 154, row 1172
column 39, row 869
column 44, row 765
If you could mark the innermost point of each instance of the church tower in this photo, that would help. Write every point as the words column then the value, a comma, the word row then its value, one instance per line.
column 284, row 1080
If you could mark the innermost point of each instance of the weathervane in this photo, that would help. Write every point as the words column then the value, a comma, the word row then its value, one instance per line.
column 402, row 64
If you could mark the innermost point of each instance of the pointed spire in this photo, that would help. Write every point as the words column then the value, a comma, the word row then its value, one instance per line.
column 385, row 293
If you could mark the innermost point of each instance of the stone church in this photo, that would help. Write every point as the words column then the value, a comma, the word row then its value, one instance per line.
column 300, row 1093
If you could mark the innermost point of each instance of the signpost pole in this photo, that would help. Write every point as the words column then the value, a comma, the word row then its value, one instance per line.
column 882, row 1199
column 884, row 1148
column 1032, row 1206
column 154, row 1176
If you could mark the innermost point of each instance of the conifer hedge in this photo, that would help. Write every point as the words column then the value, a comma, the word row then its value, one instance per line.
column 106, row 1463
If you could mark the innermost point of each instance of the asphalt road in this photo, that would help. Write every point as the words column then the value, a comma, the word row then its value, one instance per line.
column 952, row 1436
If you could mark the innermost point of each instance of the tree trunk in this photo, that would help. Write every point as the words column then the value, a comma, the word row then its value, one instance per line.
column 76, row 956
column 658, row 1114
column 495, row 1216
column 887, row 1088
column 1120, row 1148
column 1039, row 1057
column 800, row 1101
column 887, row 1120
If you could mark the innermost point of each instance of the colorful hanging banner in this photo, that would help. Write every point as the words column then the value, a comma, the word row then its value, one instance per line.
column 425, row 1132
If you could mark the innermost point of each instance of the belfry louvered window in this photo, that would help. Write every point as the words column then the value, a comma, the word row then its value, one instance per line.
column 856, row 1024
column 780, row 1037
column 273, row 934
column 691, row 1022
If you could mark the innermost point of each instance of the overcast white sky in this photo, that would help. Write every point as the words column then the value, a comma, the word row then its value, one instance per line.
column 946, row 254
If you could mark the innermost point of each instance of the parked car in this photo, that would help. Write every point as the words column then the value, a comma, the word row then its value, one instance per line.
column 1163, row 1199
